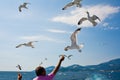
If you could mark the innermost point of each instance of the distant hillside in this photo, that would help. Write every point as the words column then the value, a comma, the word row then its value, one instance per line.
column 110, row 65
column 104, row 71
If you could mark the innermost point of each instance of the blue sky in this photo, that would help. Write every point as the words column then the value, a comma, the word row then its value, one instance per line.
column 46, row 22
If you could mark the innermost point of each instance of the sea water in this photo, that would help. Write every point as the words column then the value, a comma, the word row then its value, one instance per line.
column 12, row 75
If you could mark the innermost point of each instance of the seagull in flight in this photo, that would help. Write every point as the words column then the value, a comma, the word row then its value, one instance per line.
column 74, row 2
column 45, row 59
column 41, row 63
column 24, row 5
column 89, row 18
column 19, row 67
column 69, row 56
column 66, row 56
column 29, row 44
column 74, row 44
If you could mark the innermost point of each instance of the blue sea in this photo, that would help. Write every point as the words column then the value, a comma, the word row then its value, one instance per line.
column 106, row 71
column 12, row 75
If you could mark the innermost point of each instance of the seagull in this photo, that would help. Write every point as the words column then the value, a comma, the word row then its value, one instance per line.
column 89, row 18
column 63, row 55
column 29, row 44
column 74, row 2
column 19, row 67
column 74, row 44
column 41, row 63
column 24, row 5
column 45, row 59
column 66, row 56
column 69, row 56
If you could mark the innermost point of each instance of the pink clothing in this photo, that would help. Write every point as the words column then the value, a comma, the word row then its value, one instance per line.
column 47, row 77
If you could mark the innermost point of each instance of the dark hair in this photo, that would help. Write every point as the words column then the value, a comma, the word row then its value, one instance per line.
column 39, row 70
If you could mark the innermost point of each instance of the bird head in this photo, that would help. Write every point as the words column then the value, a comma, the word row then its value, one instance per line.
column 66, row 48
column 79, row 29
column 87, row 12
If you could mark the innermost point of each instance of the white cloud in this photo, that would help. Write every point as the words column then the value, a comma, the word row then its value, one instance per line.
column 41, row 38
column 57, row 31
column 106, row 26
column 72, row 18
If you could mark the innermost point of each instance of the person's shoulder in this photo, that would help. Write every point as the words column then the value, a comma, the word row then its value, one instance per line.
column 36, row 78
column 51, row 74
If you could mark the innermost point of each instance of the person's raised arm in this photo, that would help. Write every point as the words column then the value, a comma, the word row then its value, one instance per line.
column 58, row 65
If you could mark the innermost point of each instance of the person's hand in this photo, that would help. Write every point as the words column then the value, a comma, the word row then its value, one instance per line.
column 19, row 76
column 62, row 58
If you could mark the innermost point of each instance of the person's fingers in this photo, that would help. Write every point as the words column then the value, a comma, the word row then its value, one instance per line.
column 62, row 58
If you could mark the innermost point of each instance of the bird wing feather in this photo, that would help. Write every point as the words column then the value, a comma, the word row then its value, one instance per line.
column 74, row 36
column 19, row 67
column 94, row 17
column 77, row 1
column 25, row 4
column 19, row 45
column 81, row 20
column 20, row 8
column 69, row 4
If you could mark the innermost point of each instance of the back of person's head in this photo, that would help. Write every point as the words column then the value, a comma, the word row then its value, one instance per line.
column 40, row 71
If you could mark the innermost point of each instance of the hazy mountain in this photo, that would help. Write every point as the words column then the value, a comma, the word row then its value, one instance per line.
column 104, row 71
column 110, row 65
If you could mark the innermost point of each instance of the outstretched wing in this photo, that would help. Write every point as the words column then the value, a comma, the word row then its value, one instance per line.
column 20, row 8
column 81, row 20
column 25, row 3
column 77, row 2
column 94, row 17
column 69, row 56
column 19, row 67
column 73, row 36
column 68, row 5
column 19, row 45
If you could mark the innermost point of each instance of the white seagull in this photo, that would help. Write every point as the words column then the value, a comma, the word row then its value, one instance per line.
column 74, row 44
column 24, row 5
column 66, row 56
column 89, row 18
column 41, row 63
column 29, row 44
column 45, row 59
column 69, row 56
column 74, row 2
column 19, row 67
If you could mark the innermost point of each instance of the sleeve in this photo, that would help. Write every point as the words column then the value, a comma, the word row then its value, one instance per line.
column 51, row 75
